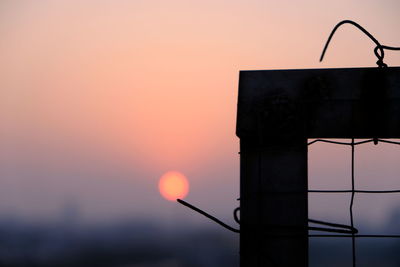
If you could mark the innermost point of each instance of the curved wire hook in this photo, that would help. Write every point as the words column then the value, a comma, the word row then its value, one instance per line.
column 338, row 228
column 378, row 50
column 236, row 216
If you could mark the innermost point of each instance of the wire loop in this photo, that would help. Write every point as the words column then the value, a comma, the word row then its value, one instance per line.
column 379, row 50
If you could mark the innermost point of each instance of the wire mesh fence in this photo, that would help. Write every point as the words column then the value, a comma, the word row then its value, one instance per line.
column 353, row 191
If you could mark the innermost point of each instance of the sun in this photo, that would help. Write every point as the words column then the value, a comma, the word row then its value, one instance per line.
column 173, row 185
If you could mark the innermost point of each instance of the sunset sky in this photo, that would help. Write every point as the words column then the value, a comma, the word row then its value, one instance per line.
column 99, row 99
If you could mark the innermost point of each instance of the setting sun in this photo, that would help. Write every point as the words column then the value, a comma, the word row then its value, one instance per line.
column 173, row 185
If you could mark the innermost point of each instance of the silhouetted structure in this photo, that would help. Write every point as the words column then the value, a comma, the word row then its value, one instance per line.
column 277, row 112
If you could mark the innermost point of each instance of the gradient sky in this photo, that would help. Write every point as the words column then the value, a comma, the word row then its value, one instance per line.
column 99, row 98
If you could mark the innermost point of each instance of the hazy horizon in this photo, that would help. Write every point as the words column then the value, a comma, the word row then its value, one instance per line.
column 99, row 99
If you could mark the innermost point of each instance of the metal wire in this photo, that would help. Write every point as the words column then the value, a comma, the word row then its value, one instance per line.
column 381, row 48
column 353, row 240
column 357, row 236
column 351, row 229
column 208, row 216
column 353, row 191
column 340, row 230
column 337, row 228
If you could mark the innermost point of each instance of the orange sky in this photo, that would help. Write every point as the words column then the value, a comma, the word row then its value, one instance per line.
column 152, row 85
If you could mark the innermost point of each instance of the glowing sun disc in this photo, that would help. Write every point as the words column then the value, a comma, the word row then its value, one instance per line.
column 173, row 185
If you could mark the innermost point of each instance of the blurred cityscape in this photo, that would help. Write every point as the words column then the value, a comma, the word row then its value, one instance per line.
column 148, row 243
